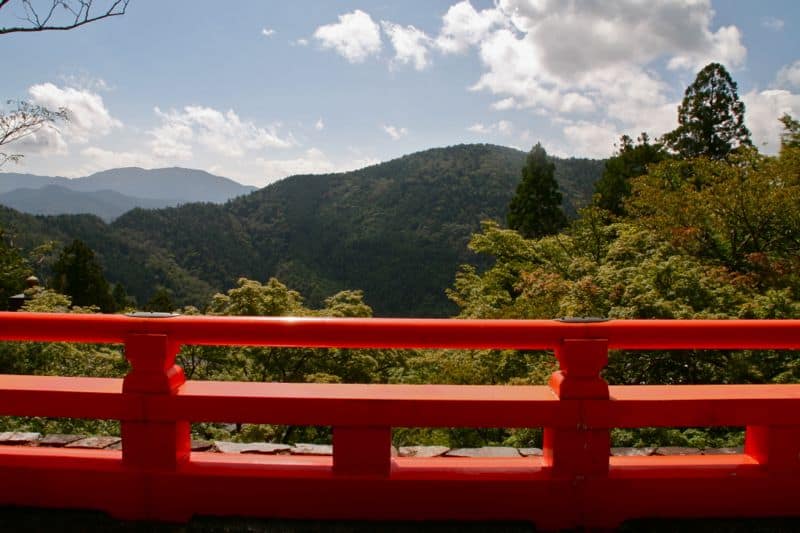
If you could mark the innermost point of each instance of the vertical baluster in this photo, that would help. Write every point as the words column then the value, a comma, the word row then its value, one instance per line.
column 580, row 452
column 147, row 444
column 775, row 447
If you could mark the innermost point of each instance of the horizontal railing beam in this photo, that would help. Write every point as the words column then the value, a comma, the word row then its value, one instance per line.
column 695, row 406
column 366, row 405
column 404, row 405
column 68, row 397
column 404, row 333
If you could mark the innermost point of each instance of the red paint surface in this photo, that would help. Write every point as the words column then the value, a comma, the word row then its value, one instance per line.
column 575, row 483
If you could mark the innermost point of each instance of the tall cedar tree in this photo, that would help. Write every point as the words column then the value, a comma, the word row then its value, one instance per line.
column 710, row 118
column 78, row 274
column 630, row 161
column 535, row 210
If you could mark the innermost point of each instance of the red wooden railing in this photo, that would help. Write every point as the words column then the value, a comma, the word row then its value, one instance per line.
column 155, row 476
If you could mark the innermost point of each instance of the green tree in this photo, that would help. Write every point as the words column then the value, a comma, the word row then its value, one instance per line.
column 160, row 302
column 630, row 161
column 78, row 274
column 535, row 210
column 742, row 213
column 710, row 118
column 791, row 132
column 13, row 271
column 121, row 299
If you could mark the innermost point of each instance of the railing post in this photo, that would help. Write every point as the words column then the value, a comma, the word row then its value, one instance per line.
column 362, row 451
column 147, row 444
column 580, row 452
column 775, row 447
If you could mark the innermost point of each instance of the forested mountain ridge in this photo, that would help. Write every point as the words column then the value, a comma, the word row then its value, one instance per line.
column 397, row 230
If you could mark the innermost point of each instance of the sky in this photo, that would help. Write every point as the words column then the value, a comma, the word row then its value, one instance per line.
column 260, row 90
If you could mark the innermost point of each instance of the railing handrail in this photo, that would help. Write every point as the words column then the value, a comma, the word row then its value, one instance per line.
column 574, row 483
column 321, row 332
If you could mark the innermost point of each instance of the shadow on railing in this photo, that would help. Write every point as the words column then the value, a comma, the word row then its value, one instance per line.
column 575, row 483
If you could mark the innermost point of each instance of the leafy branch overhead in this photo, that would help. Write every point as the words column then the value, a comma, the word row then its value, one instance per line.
column 59, row 14
column 25, row 120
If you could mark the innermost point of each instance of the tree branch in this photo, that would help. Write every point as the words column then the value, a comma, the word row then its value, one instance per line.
column 25, row 120
column 81, row 13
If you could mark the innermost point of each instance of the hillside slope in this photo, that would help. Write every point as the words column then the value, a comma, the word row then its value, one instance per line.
column 397, row 230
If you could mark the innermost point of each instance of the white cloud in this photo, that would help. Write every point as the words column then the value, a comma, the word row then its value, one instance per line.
column 574, row 38
column 504, row 104
column 267, row 32
column 514, row 70
column 319, row 125
column 313, row 161
column 789, row 75
column 726, row 47
column 589, row 139
column 84, row 81
column 772, row 23
column 479, row 127
column 410, row 44
column 88, row 115
column 395, row 132
column 95, row 159
column 223, row 133
column 592, row 63
column 762, row 111
column 355, row 37
column 299, row 42
column 553, row 55
column 172, row 139
column 463, row 26
column 502, row 127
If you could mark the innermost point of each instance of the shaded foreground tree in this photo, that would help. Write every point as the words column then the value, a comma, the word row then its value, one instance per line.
column 535, row 210
column 77, row 274
column 34, row 16
column 160, row 302
column 710, row 118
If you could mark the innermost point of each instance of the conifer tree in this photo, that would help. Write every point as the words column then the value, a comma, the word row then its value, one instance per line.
column 535, row 210
column 710, row 118
column 630, row 161
column 77, row 274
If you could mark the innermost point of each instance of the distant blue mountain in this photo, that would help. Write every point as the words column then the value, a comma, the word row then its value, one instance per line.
column 110, row 193
column 58, row 200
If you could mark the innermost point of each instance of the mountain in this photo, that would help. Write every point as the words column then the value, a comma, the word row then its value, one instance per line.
column 10, row 181
column 56, row 200
column 110, row 193
column 181, row 185
column 397, row 230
